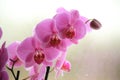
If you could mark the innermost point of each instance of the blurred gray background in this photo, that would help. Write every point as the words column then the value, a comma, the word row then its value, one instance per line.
column 96, row 57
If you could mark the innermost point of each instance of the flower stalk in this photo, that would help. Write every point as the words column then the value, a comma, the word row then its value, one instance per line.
column 12, row 70
column 47, row 72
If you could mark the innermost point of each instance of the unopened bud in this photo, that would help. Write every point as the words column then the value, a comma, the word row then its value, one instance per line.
column 95, row 24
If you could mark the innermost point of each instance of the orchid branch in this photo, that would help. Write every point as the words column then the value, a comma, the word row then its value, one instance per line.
column 12, row 69
column 47, row 72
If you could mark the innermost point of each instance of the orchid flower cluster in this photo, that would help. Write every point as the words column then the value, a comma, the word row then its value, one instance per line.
column 47, row 47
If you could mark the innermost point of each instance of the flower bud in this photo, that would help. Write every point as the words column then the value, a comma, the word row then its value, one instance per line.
column 95, row 24
column 66, row 66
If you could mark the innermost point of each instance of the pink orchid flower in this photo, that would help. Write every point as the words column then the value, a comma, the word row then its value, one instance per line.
column 31, row 52
column 3, row 61
column 66, row 67
column 70, row 25
column 12, row 52
column 47, row 32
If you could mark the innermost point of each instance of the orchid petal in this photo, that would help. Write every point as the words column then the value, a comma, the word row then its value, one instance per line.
column 42, row 72
column 74, row 16
column 12, row 52
column 47, row 63
column 44, row 30
column 60, row 61
column 64, row 44
column 61, row 10
column 34, row 71
column 26, row 51
column 62, row 20
column 66, row 66
column 36, row 42
column 51, row 53
column 80, row 29
column 87, row 23
column 58, row 73
column 3, row 56
column 4, row 75
column 29, row 61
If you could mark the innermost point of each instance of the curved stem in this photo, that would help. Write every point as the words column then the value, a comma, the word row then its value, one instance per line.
column 88, row 21
column 12, row 69
column 11, row 72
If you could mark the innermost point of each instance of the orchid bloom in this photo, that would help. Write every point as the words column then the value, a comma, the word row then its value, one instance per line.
column 3, row 61
column 31, row 52
column 12, row 52
column 47, row 32
column 66, row 67
column 70, row 25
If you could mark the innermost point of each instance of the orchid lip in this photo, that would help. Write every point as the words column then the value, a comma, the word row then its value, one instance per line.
column 54, row 40
column 39, row 56
column 69, row 32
